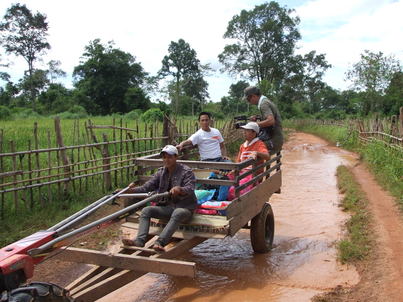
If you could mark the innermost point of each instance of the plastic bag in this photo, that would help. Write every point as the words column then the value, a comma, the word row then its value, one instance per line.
column 204, row 195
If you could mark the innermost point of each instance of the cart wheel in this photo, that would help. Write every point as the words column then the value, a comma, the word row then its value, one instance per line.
column 262, row 230
column 39, row 292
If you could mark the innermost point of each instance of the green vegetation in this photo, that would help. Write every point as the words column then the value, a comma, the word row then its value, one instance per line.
column 386, row 163
column 358, row 242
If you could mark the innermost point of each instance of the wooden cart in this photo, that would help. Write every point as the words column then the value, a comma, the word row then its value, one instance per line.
column 250, row 210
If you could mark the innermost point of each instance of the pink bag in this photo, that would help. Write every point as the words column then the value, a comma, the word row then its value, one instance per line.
column 206, row 212
column 231, row 191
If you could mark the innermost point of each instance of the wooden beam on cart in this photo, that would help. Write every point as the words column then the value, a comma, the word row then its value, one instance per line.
column 97, row 284
column 129, row 262
column 242, row 210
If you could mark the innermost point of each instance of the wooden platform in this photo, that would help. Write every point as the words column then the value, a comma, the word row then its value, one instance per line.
column 205, row 226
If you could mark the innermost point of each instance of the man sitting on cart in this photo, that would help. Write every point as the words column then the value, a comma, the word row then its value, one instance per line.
column 208, row 139
column 179, row 180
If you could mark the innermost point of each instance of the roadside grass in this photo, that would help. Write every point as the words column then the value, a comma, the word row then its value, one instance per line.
column 385, row 163
column 358, row 242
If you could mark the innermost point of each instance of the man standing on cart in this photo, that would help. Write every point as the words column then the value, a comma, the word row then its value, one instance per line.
column 271, row 131
column 179, row 180
column 208, row 139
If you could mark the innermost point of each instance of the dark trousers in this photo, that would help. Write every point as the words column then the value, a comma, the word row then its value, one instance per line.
column 176, row 216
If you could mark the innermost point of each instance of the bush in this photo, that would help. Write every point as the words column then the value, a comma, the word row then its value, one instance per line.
column 134, row 114
column 26, row 113
column 80, row 110
column 152, row 115
column 5, row 113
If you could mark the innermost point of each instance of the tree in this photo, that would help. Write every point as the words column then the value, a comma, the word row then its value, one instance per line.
column 394, row 94
column 55, row 71
column 104, row 79
column 234, row 103
column 265, row 40
column 372, row 75
column 24, row 34
column 182, row 64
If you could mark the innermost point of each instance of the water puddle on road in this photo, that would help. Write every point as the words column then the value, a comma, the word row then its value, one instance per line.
column 303, row 261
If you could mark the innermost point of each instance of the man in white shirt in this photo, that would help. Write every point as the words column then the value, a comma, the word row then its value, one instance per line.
column 209, row 141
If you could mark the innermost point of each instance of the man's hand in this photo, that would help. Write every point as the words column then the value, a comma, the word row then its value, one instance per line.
column 253, row 118
column 175, row 191
column 130, row 190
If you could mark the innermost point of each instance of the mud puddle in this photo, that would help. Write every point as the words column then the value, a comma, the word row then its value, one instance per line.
column 303, row 261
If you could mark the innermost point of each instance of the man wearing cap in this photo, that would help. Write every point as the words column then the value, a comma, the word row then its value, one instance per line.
column 271, row 131
column 208, row 139
column 179, row 180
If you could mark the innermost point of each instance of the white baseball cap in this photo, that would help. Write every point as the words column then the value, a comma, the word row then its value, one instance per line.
column 252, row 126
column 169, row 149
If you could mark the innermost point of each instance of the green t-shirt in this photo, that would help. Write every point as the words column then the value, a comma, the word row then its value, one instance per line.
column 275, row 132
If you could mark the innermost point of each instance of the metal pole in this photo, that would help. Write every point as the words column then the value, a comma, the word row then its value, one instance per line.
column 119, row 214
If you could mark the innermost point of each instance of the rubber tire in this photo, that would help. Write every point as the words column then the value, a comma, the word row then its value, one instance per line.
column 262, row 230
column 39, row 292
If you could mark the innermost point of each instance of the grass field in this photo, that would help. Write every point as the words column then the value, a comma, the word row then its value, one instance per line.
column 35, row 210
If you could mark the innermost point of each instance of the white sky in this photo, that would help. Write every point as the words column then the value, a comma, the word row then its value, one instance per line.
column 341, row 29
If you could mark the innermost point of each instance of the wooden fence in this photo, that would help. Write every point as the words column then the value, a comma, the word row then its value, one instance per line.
column 42, row 174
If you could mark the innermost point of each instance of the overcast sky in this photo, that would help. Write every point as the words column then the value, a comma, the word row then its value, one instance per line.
column 341, row 29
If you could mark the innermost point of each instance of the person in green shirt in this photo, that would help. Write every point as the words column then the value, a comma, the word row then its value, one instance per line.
column 271, row 131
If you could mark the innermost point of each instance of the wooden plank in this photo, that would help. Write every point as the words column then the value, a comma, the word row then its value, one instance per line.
column 219, row 182
column 179, row 233
column 122, row 278
column 250, row 204
column 129, row 262
column 103, row 274
column 85, row 277
column 263, row 191
column 196, row 164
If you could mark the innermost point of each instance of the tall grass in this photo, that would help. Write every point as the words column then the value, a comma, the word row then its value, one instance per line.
column 386, row 163
column 358, row 242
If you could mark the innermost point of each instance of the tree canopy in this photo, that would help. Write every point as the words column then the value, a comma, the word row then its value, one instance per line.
column 109, row 80
column 183, row 65
column 25, row 34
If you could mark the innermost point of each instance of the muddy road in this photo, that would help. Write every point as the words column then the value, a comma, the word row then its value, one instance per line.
column 303, row 261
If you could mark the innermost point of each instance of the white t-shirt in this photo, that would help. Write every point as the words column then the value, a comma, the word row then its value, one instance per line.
column 208, row 143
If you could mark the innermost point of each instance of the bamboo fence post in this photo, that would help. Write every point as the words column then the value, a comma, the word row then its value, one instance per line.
column 115, row 153
column 91, row 152
column 21, row 168
column 145, row 135
column 121, row 147
column 31, row 193
column 401, row 121
column 85, row 163
column 12, row 148
column 36, row 146
column 137, row 136
column 165, row 132
column 106, row 164
column 50, row 199
column 65, row 159
column 127, row 154
column 79, row 157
